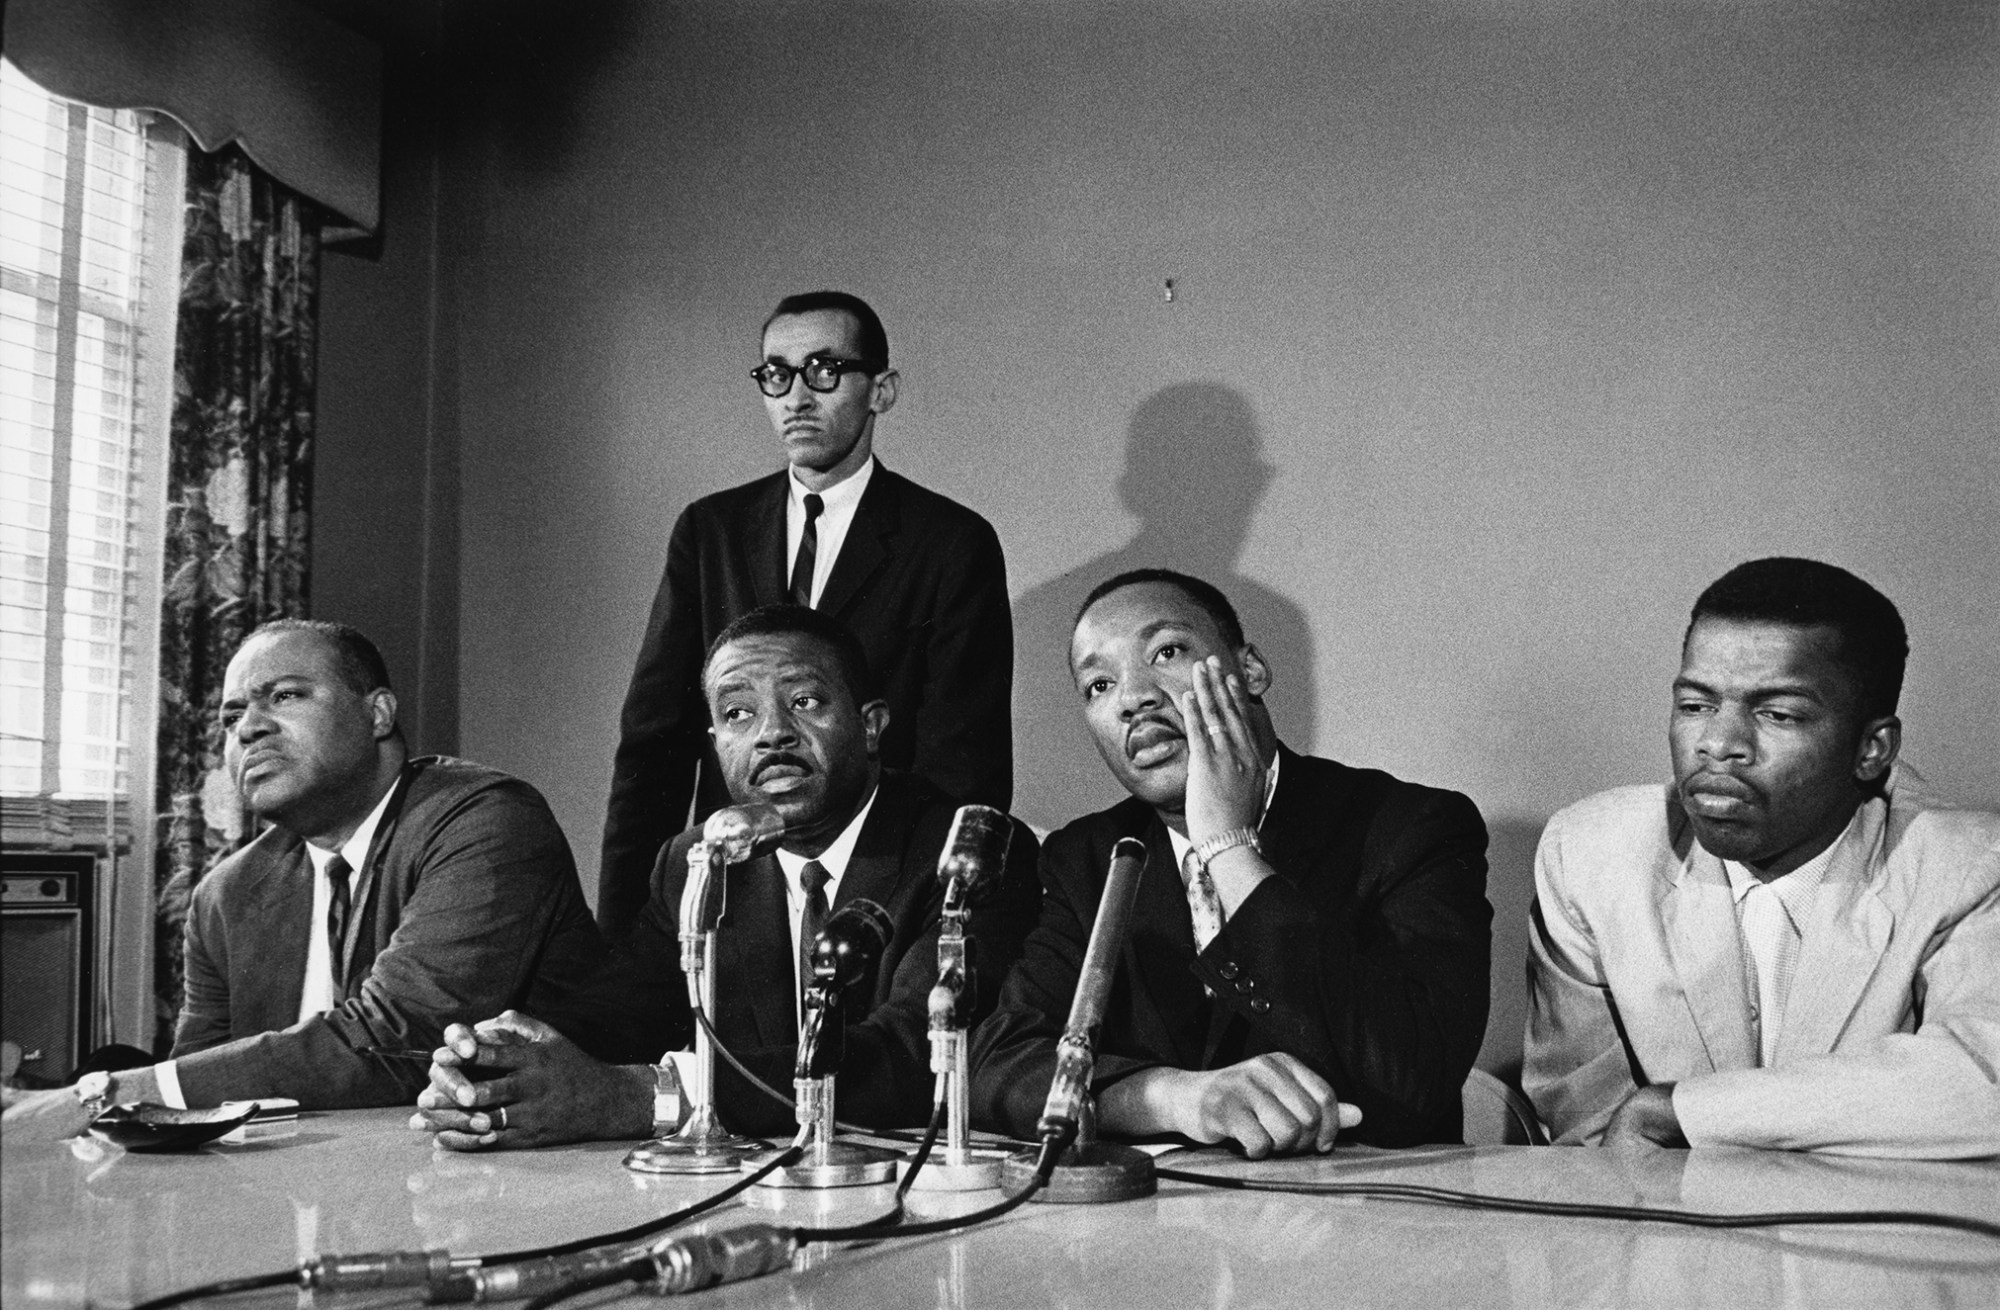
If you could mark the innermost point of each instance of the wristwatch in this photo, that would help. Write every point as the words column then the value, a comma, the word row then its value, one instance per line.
column 93, row 1092
column 668, row 1104
column 1224, row 841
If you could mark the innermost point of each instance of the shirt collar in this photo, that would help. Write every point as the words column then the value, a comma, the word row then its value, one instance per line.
column 834, row 858
column 355, row 849
column 1182, row 845
column 1797, row 886
column 842, row 495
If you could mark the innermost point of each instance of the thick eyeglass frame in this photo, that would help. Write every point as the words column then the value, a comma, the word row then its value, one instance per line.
column 822, row 373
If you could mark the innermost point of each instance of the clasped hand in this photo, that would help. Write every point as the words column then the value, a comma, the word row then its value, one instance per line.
column 540, row 1089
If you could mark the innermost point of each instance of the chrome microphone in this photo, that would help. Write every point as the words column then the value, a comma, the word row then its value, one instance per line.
column 974, row 854
column 1076, row 1055
column 744, row 832
column 854, row 938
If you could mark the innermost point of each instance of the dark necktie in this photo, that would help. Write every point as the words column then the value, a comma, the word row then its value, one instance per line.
column 338, row 904
column 813, row 879
column 808, row 556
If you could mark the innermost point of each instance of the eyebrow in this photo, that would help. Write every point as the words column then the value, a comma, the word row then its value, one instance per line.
column 1146, row 632
column 1804, row 691
column 265, row 688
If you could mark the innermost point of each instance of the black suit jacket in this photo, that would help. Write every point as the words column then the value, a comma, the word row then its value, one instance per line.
column 1366, row 956
column 469, row 903
column 919, row 580
column 637, row 1007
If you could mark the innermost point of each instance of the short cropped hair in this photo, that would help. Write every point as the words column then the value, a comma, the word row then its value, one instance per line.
column 1871, row 642
column 872, row 342
column 361, row 666
column 1204, row 594
column 797, row 620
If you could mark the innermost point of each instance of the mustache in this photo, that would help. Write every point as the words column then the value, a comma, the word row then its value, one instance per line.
column 1151, row 719
column 776, row 759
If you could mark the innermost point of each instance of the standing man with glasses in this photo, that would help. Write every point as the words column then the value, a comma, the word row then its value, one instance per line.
column 919, row 579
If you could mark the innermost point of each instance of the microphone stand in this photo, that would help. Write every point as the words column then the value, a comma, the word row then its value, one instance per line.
column 959, row 1168
column 1090, row 1170
column 828, row 1162
column 701, row 1145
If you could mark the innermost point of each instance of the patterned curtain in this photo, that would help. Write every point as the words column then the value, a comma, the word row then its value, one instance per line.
column 239, row 486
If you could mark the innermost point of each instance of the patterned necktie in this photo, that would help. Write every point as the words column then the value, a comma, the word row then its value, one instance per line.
column 1774, row 954
column 338, row 905
column 808, row 556
column 813, row 879
column 1204, row 906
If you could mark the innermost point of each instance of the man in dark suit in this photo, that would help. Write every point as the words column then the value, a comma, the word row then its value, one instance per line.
column 917, row 578
column 796, row 724
column 1309, row 945
column 389, row 897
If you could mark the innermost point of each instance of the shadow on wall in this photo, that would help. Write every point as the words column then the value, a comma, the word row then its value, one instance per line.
column 1194, row 475
column 1510, row 888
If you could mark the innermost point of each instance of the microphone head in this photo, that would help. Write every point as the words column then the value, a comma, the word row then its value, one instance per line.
column 744, row 832
column 854, row 938
column 976, row 851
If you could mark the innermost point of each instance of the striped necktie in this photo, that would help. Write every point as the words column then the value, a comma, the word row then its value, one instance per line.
column 337, row 908
column 808, row 556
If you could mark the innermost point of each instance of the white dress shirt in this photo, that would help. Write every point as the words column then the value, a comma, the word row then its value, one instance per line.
column 1771, row 917
column 835, row 517
column 317, row 995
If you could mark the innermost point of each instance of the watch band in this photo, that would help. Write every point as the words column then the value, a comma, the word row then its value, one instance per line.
column 94, row 1092
column 1229, row 840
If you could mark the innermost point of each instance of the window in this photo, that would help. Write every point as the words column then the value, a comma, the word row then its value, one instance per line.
column 82, row 345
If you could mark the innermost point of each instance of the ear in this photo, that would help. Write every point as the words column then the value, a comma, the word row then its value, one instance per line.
column 382, row 712
column 1256, row 673
column 1880, row 740
column 882, row 392
column 874, row 722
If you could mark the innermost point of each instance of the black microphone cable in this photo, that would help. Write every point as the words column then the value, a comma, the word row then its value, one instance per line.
column 1444, row 1196
column 450, row 1278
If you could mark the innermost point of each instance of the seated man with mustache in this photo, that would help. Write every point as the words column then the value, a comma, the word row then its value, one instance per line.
column 1791, row 945
column 795, row 723
column 1309, row 946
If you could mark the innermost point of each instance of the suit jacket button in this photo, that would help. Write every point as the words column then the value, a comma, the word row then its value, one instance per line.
column 1229, row 969
column 1246, row 986
column 1260, row 1005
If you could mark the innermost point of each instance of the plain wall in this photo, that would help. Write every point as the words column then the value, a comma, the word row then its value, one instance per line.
column 1497, row 332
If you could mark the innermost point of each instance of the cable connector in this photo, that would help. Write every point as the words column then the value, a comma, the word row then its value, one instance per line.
column 341, row 1273
column 509, row 1282
column 689, row 1264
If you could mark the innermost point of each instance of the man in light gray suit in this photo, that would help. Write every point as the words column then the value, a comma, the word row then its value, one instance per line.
column 1792, row 945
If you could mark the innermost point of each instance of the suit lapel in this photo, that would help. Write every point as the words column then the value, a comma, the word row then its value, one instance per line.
column 283, row 926
column 765, row 542
column 1699, row 917
column 1160, row 950
column 755, row 943
column 876, row 519
column 1842, row 938
column 361, row 917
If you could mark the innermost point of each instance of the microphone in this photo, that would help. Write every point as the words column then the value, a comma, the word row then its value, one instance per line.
column 1069, row 1090
column 854, row 938
column 974, row 854
column 743, row 832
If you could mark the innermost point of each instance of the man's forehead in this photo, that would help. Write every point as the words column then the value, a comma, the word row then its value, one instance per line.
column 1139, row 611
column 815, row 332
column 1761, row 653
column 266, row 659
column 785, row 656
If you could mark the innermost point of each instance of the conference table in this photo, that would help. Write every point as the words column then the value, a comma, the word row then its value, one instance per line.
column 86, row 1223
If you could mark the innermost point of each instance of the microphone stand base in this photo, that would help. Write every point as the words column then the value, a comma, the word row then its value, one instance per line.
column 1086, row 1175
column 831, row 1164
column 979, row 1171
column 722, row 1153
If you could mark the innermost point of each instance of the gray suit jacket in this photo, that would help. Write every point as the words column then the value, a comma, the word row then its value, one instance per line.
column 468, row 904
column 1890, row 1041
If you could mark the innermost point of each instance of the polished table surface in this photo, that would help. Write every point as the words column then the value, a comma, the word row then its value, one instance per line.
column 88, row 1224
